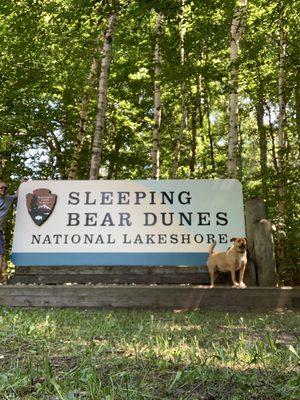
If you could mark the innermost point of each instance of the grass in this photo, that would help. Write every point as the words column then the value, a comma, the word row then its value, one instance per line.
column 72, row 354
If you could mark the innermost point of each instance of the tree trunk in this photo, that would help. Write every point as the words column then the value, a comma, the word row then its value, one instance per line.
column 194, row 140
column 262, row 146
column 272, row 135
column 157, row 99
column 102, row 99
column 181, row 132
column 209, row 131
column 1, row 166
column 182, row 94
column 81, row 134
column 113, row 165
column 282, row 119
column 200, row 112
column 237, row 30
column 59, row 157
column 282, row 145
column 240, row 153
column 297, row 102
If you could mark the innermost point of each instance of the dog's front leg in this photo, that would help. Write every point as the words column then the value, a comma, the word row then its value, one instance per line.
column 212, row 279
column 233, row 278
column 242, row 272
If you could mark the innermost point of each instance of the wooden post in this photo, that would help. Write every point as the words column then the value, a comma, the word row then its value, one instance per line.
column 260, row 243
column 254, row 211
column 264, row 252
column 250, row 277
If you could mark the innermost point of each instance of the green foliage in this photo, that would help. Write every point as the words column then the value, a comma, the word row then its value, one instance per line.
column 46, row 51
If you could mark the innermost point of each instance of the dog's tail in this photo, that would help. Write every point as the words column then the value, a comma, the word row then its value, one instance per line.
column 212, row 246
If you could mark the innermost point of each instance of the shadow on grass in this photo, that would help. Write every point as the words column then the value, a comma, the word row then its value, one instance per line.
column 68, row 355
column 122, row 378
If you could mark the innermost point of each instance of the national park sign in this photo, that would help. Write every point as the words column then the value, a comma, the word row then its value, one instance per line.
column 144, row 222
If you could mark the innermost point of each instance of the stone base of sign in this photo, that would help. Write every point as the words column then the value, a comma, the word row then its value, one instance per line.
column 120, row 275
column 150, row 297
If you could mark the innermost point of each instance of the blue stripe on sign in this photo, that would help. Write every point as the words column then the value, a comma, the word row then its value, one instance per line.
column 81, row 259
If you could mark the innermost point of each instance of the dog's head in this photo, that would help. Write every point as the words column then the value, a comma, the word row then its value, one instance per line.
column 239, row 243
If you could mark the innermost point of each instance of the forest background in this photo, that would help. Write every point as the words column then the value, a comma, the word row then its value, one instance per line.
column 156, row 90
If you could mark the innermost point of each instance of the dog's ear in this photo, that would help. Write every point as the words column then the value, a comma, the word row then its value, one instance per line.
column 233, row 239
column 246, row 239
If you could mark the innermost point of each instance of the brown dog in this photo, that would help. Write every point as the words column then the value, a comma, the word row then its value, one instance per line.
column 232, row 260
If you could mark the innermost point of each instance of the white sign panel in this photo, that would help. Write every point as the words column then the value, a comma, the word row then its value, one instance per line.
column 146, row 222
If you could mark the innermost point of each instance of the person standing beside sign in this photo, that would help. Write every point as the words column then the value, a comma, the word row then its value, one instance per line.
column 6, row 201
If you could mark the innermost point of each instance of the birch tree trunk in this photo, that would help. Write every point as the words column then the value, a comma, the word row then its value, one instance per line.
column 196, row 116
column 282, row 120
column 81, row 134
column 113, row 166
column 182, row 94
column 281, row 154
column 237, row 30
column 240, row 153
column 262, row 145
column 297, row 103
column 1, row 166
column 194, row 140
column 200, row 112
column 157, row 99
column 272, row 136
column 59, row 159
column 199, row 104
column 209, row 132
column 102, row 99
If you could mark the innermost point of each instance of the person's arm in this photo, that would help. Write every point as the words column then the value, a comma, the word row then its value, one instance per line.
column 12, row 197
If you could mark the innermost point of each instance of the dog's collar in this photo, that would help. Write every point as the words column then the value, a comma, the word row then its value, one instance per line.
column 243, row 251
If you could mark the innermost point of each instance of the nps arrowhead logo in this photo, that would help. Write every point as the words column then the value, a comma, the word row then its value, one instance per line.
column 40, row 205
